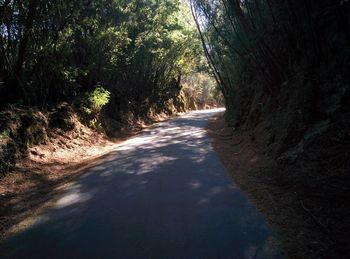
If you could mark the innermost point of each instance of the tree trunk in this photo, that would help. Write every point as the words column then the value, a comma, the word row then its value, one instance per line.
column 18, row 91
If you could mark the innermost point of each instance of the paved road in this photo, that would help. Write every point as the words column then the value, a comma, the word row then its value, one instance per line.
column 161, row 194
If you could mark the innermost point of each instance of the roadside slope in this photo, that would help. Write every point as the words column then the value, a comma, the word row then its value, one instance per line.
column 41, row 169
column 295, row 213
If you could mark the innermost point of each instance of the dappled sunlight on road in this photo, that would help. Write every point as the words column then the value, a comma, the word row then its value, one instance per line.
column 73, row 196
column 161, row 193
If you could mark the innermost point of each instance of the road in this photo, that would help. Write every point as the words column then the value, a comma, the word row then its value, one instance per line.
column 161, row 194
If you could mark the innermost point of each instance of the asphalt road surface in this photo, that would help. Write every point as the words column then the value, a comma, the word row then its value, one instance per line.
column 161, row 194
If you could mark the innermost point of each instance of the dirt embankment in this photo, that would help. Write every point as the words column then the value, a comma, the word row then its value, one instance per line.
column 44, row 152
column 311, row 224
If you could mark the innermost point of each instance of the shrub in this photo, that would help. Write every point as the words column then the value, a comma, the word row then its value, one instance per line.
column 97, row 100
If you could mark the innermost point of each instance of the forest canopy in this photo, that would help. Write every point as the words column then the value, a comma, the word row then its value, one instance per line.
column 137, row 50
column 258, row 49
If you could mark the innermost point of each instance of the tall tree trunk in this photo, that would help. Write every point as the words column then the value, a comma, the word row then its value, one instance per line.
column 211, row 62
column 18, row 91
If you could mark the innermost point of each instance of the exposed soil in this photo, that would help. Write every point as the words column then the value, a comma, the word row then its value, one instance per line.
column 49, row 167
column 297, row 215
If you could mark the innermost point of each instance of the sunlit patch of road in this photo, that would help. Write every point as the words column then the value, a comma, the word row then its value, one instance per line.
column 161, row 194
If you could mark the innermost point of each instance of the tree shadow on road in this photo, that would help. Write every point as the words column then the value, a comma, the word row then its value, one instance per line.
column 161, row 193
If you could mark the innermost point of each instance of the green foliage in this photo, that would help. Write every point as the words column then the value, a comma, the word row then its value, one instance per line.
column 255, row 47
column 203, row 88
column 58, row 51
column 95, row 124
column 4, row 135
column 98, row 99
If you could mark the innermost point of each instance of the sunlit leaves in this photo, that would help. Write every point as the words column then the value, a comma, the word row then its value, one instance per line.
column 135, row 47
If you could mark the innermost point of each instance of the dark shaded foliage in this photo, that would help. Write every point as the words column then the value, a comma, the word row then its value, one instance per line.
column 55, row 51
column 283, row 66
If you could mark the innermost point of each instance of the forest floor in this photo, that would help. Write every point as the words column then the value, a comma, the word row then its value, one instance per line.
column 49, row 167
column 244, row 155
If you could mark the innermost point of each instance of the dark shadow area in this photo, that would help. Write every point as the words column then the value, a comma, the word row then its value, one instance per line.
column 162, row 194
